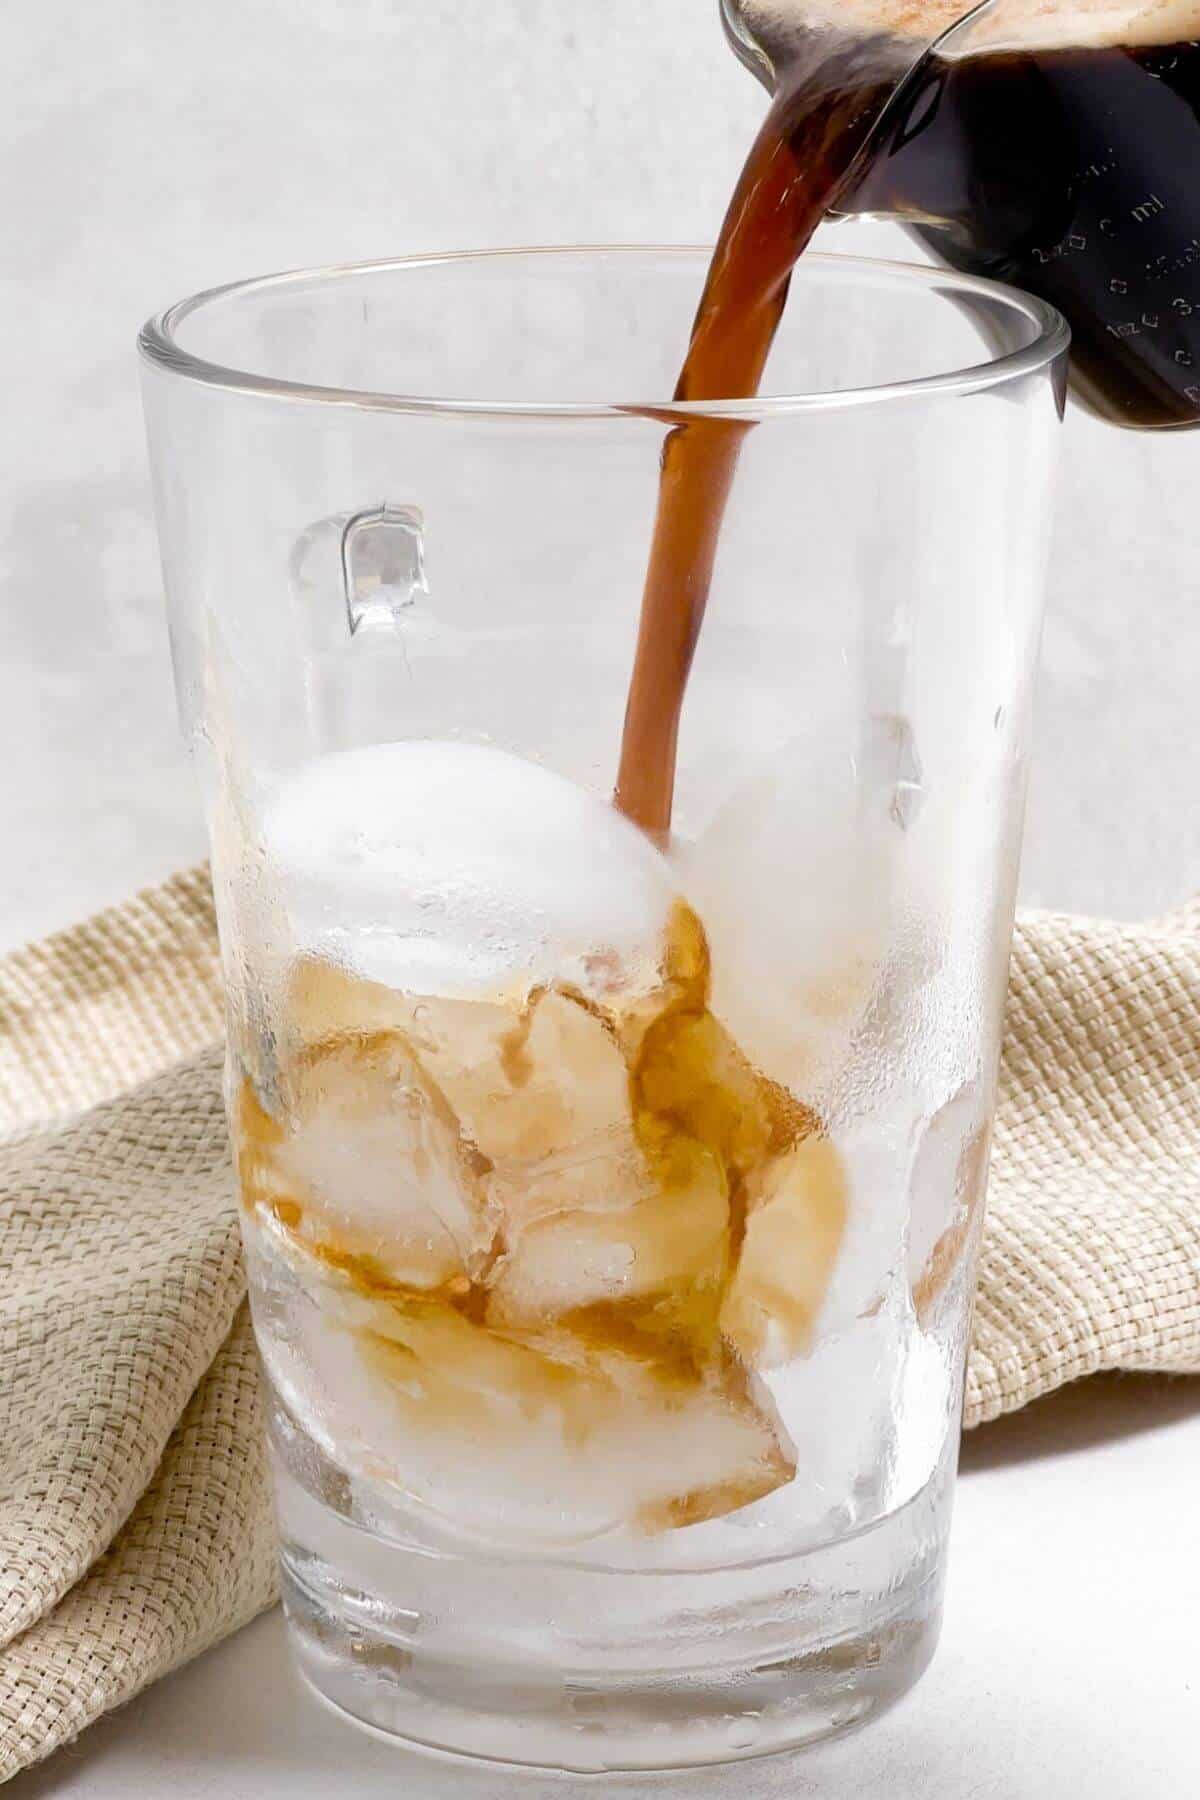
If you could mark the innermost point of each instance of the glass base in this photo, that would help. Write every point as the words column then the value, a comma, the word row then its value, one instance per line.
column 589, row 1669
column 588, row 1723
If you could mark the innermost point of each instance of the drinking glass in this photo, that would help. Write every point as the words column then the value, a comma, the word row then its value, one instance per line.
column 610, row 1204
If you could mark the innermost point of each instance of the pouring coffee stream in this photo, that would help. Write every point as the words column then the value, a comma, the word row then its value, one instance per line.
column 828, row 100
column 1055, row 147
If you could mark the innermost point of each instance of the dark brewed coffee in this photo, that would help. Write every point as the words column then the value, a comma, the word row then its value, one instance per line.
column 799, row 166
column 1074, row 174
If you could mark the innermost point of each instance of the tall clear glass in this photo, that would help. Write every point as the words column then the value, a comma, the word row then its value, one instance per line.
column 610, row 1206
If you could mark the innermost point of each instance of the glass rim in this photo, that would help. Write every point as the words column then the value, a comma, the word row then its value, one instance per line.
column 157, row 344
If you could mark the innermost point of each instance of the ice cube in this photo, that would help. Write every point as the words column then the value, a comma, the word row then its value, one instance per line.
column 634, row 997
column 933, row 1184
column 578, row 1440
column 538, row 1087
column 536, row 1081
column 604, row 1173
column 257, row 1138
column 792, row 879
column 876, row 1147
column 796, row 1215
column 691, row 1077
column 949, row 1181
column 581, row 1432
column 455, row 869
column 370, row 1165
column 702, row 1459
column 666, row 1242
column 324, row 1000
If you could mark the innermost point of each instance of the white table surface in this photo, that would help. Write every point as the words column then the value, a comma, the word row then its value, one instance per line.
column 1069, row 1668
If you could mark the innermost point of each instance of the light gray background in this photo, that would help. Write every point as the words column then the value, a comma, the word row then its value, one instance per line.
column 149, row 148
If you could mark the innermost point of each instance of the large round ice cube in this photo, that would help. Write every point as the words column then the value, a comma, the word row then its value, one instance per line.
column 442, row 867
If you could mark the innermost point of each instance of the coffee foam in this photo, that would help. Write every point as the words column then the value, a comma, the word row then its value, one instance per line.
column 1005, row 25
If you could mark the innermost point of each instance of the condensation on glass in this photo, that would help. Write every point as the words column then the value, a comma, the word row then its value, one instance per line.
column 610, row 1204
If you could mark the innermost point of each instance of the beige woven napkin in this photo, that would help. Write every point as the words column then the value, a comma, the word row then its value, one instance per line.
column 134, row 1514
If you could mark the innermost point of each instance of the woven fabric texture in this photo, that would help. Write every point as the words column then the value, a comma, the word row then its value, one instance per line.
column 135, row 1525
